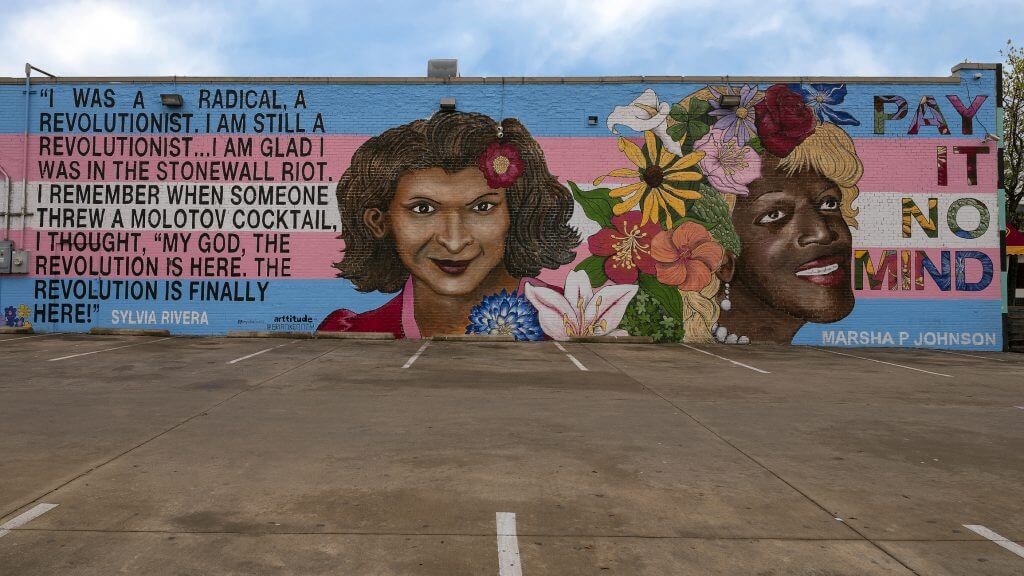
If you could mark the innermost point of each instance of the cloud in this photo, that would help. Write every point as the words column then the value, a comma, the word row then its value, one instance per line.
column 110, row 37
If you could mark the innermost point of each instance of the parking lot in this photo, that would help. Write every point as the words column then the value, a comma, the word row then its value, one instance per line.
column 269, row 456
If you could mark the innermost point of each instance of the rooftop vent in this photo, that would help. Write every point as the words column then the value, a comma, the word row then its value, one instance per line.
column 442, row 68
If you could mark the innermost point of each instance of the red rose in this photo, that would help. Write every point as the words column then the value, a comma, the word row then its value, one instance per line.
column 500, row 164
column 783, row 120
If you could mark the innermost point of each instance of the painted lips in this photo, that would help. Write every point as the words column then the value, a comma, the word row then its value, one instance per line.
column 453, row 267
column 826, row 271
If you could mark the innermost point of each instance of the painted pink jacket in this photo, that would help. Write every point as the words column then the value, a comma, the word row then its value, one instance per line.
column 397, row 316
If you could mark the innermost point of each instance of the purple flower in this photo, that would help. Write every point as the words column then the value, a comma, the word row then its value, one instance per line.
column 736, row 122
column 821, row 98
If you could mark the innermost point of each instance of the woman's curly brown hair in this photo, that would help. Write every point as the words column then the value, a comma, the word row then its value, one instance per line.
column 539, row 206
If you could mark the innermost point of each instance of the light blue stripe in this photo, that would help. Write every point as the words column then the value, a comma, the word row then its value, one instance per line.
column 913, row 323
column 313, row 298
column 545, row 109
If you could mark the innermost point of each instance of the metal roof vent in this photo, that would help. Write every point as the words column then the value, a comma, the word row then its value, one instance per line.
column 442, row 68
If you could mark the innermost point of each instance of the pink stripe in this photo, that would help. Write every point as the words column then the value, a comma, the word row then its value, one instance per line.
column 890, row 164
column 311, row 254
column 931, row 290
column 910, row 165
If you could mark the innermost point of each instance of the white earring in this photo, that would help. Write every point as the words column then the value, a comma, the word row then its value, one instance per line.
column 721, row 333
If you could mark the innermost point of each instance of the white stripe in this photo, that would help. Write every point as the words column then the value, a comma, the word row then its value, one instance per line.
column 985, row 532
column 508, row 545
column 881, row 362
column 258, row 353
column 879, row 206
column 36, row 336
column 972, row 356
column 25, row 517
column 107, row 349
column 726, row 359
column 571, row 357
column 416, row 355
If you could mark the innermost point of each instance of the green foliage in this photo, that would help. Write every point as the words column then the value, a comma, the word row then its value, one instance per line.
column 755, row 143
column 1013, row 130
column 645, row 317
column 594, row 267
column 713, row 212
column 667, row 296
column 693, row 123
column 596, row 203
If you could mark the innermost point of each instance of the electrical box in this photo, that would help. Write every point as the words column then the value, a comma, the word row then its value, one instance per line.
column 19, row 262
column 6, row 249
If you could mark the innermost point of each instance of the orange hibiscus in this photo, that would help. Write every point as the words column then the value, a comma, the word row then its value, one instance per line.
column 686, row 257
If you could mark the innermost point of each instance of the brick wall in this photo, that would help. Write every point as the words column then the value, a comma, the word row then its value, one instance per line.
column 850, row 212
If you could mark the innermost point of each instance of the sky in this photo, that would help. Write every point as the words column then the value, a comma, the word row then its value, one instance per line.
column 505, row 37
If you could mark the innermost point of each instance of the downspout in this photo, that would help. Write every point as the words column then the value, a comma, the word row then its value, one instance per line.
column 24, row 179
column 24, row 176
column 7, row 214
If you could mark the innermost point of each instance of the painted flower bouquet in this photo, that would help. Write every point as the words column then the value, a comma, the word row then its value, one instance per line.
column 668, row 227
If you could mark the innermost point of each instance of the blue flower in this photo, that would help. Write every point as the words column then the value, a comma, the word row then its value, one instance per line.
column 505, row 315
column 822, row 97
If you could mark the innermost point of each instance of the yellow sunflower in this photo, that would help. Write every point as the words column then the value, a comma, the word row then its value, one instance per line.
column 661, row 175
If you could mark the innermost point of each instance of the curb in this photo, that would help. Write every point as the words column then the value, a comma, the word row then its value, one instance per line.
column 127, row 332
column 257, row 334
column 16, row 330
column 613, row 339
column 355, row 335
column 472, row 338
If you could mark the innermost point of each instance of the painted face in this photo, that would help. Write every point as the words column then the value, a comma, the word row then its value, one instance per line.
column 796, row 247
column 449, row 229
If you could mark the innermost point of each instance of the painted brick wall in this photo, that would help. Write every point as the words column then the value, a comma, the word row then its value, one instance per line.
column 830, row 219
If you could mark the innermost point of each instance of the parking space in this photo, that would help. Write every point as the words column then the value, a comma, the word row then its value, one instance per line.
column 241, row 456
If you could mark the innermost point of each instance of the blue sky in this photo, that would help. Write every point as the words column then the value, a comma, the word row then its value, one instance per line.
column 505, row 37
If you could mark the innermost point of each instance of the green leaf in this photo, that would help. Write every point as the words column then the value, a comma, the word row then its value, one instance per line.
column 596, row 203
column 677, row 113
column 755, row 143
column 696, row 130
column 667, row 296
column 594, row 267
column 712, row 211
column 699, row 107
column 677, row 131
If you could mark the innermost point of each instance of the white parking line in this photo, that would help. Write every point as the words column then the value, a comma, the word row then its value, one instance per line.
column 508, row 545
column 260, row 352
column 881, row 362
column 416, row 355
column 25, row 517
column 571, row 357
column 972, row 356
column 1005, row 543
column 747, row 366
column 26, row 337
column 108, row 349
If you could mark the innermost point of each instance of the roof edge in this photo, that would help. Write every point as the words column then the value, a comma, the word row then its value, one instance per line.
column 954, row 78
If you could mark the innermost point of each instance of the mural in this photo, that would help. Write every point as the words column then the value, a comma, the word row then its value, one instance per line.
column 828, row 214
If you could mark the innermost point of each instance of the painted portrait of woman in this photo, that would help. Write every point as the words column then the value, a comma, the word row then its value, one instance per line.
column 793, row 219
column 766, row 238
column 457, row 214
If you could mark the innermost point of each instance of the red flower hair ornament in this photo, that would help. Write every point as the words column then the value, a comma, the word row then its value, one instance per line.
column 500, row 164
column 783, row 120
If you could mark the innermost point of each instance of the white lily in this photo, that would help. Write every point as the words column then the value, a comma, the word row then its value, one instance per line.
column 643, row 114
column 580, row 311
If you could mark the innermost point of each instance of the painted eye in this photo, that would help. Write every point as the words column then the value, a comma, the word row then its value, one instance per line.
column 829, row 204
column 484, row 206
column 423, row 209
column 773, row 216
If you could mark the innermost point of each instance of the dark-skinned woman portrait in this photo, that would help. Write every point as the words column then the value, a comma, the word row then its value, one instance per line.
column 794, row 225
